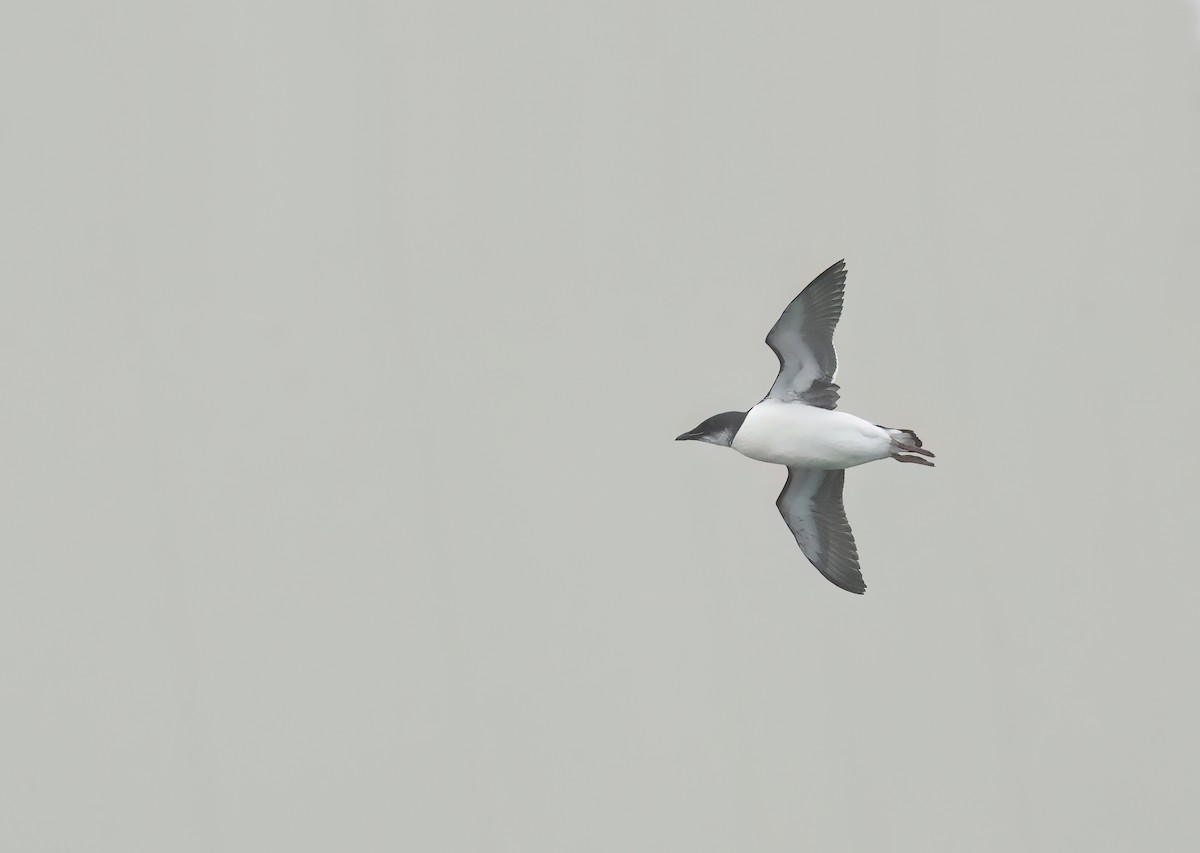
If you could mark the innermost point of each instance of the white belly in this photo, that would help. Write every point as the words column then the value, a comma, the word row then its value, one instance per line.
column 807, row 437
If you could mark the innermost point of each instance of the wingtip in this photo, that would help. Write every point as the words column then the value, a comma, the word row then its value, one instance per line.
column 838, row 272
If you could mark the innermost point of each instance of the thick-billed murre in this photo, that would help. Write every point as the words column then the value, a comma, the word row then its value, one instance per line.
column 796, row 425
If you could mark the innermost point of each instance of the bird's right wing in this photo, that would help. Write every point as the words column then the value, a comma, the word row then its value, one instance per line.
column 811, row 504
column 802, row 339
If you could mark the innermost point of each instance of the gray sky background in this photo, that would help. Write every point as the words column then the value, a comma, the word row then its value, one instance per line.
column 342, row 346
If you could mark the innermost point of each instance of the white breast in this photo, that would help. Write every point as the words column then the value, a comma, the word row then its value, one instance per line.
column 804, row 436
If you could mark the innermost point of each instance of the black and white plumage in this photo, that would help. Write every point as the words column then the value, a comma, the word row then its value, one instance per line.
column 797, row 425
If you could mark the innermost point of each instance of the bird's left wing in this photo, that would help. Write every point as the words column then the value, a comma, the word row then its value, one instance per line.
column 802, row 339
column 811, row 504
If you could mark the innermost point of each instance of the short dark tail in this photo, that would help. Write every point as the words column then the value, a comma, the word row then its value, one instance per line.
column 905, row 441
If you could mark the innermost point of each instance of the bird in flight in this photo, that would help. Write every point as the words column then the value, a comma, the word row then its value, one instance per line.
column 796, row 425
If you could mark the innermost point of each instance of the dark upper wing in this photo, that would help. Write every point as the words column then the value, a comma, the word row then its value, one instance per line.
column 802, row 339
column 811, row 504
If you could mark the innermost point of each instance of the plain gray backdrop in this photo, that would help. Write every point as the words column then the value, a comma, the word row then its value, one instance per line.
column 343, row 346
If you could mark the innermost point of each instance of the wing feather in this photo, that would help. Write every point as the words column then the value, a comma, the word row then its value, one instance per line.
column 811, row 505
column 802, row 340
